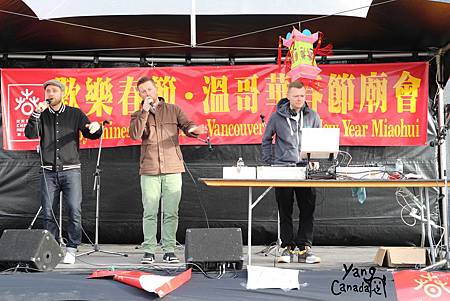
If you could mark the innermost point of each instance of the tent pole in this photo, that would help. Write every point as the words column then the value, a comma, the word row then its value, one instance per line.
column 193, row 25
column 442, row 153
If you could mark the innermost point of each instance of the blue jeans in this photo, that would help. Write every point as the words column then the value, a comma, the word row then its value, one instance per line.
column 69, row 182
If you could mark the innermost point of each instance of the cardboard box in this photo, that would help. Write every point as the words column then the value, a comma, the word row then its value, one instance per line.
column 401, row 256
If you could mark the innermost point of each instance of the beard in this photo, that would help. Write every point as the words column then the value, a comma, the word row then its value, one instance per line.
column 55, row 102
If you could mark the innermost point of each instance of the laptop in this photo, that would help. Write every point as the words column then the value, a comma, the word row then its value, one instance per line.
column 319, row 143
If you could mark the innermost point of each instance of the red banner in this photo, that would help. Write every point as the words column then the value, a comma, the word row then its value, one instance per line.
column 412, row 285
column 372, row 104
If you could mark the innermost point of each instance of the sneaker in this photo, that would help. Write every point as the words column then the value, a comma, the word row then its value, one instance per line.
column 286, row 256
column 307, row 256
column 148, row 258
column 170, row 258
column 69, row 258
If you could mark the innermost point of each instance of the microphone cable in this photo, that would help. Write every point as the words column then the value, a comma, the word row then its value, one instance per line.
column 191, row 176
column 45, row 181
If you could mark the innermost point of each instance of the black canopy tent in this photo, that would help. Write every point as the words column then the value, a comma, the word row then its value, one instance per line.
column 390, row 26
column 393, row 31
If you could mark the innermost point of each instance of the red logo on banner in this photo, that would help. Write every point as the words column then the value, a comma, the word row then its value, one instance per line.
column 23, row 99
column 422, row 286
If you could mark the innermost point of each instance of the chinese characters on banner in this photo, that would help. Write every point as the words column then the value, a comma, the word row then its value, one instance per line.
column 372, row 104
column 422, row 286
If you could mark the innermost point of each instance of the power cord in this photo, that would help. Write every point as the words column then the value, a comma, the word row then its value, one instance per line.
column 17, row 268
column 154, row 267
column 62, row 240
column 45, row 180
column 346, row 153
column 411, row 209
column 192, row 178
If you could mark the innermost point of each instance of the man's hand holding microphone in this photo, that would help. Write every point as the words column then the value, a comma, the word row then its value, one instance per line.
column 93, row 127
column 42, row 106
column 148, row 104
column 198, row 130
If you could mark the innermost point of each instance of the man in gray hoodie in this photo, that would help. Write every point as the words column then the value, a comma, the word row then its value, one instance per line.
column 292, row 114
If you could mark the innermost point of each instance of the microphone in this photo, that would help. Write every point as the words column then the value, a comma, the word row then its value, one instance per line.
column 440, row 136
column 435, row 142
column 48, row 100
column 106, row 121
column 151, row 101
column 208, row 141
column 262, row 119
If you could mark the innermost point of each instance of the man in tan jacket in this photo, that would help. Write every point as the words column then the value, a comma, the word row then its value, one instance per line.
column 161, row 165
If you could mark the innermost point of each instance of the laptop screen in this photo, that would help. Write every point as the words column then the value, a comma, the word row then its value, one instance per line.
column 319, row 143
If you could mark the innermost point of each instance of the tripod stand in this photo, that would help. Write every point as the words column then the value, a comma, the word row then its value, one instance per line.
column 273, row 247
column 97, row 198
column 60, row 238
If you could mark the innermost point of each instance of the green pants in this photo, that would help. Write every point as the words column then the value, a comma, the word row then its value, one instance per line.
column 166, row 187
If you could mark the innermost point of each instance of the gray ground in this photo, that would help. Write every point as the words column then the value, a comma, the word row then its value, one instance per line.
column 333, row 257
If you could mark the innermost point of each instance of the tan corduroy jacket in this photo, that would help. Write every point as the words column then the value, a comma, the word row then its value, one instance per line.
column 160, row 149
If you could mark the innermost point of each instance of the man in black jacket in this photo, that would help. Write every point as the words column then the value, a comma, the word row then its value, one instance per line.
column 58, row 127
column 286, row 124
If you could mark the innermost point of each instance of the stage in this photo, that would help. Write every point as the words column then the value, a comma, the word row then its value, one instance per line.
column 317, row 282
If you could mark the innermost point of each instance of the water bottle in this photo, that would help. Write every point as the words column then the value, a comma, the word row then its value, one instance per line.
column 240, row 163
column 399, row 166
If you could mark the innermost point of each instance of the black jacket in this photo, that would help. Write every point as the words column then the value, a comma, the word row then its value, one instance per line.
column 59, row 134
column 288, row 134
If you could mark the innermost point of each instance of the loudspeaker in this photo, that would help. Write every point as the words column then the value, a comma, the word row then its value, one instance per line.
column 36, row 249
column 210, row 247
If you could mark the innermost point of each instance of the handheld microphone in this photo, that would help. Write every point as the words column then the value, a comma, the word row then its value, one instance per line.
column 435, row 142
column 106, row 121
column 151, row 101
column 262, row 119
column 48, row 100
column 208, row 141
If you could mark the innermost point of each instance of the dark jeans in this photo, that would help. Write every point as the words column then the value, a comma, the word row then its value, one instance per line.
column 306, row 202
column 69, row 182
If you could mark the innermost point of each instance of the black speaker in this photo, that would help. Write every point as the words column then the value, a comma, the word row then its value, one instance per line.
column 210, row 247
column 36, row 249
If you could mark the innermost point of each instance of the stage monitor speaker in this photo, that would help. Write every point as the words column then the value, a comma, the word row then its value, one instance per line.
column 35, row 249
column 210, row 247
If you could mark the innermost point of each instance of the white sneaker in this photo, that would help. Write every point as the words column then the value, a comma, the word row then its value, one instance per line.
column 307, row 256
column 286, row 256
column 70, row 256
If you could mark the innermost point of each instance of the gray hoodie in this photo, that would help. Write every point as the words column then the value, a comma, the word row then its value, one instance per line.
column 287, row 133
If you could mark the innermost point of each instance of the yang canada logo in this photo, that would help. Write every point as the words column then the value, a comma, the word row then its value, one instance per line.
column 359, row 281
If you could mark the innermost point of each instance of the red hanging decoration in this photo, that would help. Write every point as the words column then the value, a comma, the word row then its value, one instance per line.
column 300, row 61
column 279, row 52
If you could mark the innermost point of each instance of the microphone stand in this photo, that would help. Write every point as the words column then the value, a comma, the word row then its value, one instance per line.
column 60, row 238
column 442, row 168
column 97, row 190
